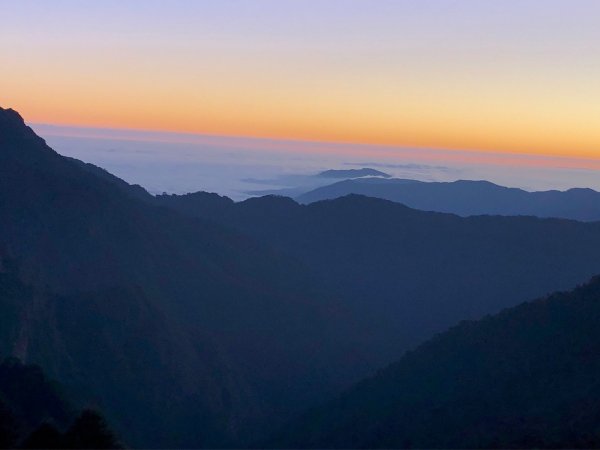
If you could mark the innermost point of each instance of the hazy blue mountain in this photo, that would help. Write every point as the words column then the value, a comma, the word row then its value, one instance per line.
column 525, row 378
column 294, row 185
column 353, row 173
column 467, row 198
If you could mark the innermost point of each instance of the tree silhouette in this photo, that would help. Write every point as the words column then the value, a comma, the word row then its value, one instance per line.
column 8, row 426
column 45, row 436
column 90, row 431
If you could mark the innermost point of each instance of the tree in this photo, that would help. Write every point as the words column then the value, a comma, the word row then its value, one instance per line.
column 8, row 425
column 45, row 436
column 90, row 431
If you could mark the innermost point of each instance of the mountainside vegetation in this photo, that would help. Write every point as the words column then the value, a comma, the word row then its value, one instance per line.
column 405, row 274
column 35, row 414
column 525, row 378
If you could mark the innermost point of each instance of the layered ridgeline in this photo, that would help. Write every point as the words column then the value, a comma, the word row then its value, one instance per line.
column 406, row 274
column 196, row 321
column 467, row 198
column 183, row 332
column 525, row 378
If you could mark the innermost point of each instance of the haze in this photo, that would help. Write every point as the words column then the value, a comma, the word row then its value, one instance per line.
column 236, row 167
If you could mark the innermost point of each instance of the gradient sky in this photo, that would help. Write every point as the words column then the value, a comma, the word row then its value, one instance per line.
column 510, row 76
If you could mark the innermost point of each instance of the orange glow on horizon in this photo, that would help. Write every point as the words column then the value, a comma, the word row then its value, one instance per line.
column 518, row 141
column 490, row 121
column 483, row 76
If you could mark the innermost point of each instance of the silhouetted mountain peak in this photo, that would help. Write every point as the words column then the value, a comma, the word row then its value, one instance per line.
column 587, row 191
column 11, row 122
column 270, row 204
column 524, row 378
column 353, row 173
column 207, row 196
column 16, row 138
column 11, row 114
column 270, row 199
column 360, row 200
column 482, row 184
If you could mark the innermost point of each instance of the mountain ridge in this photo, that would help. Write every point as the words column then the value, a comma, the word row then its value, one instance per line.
column 83, row 239
column 406, row 274
column 468, row 197
column 524, row 378
column 352, row 173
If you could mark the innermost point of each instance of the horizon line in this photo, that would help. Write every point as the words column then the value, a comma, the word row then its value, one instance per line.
column 294, row 140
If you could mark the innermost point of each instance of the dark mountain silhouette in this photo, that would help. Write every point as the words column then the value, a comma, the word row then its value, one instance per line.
column 468, row 198
column 352, row 173
column 133, row 190
column 406, row 274
column 186, row 333
column 525, row 378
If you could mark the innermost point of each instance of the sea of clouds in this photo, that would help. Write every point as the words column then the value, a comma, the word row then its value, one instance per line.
column 242, row 167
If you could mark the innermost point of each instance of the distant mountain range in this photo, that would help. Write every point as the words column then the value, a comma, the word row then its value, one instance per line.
column 194, row 321
column 525, row 378
column 467, row 198
column 353, row 173
column 297, row 184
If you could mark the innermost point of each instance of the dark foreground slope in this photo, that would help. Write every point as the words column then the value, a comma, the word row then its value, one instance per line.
column 406, row 274
column 27, row 400
column 527, row 377
column 114, row 349
column 186, row 333
column 467, row 198
column 34, row 413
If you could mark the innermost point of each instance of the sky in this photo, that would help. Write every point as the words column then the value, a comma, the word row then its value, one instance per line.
column 513, row 77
